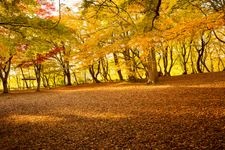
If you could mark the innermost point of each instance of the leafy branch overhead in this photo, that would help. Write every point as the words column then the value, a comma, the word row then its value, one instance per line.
column 134, row 39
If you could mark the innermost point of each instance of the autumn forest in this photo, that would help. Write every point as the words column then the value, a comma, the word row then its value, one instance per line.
column 51, row 43
column 112, row 74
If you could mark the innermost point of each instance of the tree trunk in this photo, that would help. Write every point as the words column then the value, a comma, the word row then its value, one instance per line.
column 44, row 82
column 199, row 62
column 166, row 56
column 104, row 68
column 201, row 51
column 158, row 63
column 128, row 61
column 54, row 80
column 47, row 81
column 185, row 55
column 5, row 86
column 152, row 74
column 25, row 81
column 4, row 73
column 18, row 82
column 185, row 69
column 68, row 77
column 37, row 69
column 75, row 77
column 119, row 72
column 153, row 8
column 64, row 78
column 38, row 84
column 93, row 74
column 193, row 71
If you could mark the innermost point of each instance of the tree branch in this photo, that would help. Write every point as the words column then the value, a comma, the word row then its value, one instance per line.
column 218, row 37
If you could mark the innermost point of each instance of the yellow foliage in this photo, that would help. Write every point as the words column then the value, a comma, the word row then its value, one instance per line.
column 167, row 6
column 4, row 51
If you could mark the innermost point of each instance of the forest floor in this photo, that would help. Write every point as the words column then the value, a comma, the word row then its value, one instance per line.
column 182, row 112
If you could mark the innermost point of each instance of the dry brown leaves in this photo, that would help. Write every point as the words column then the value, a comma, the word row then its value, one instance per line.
column 179, row 113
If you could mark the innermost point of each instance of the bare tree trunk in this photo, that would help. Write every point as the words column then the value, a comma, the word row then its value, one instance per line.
column 151, row 67
column 185, row 55
column 44, row 82
column 221, row 61
column 75, row 77
column 166, row 56
column 165, row 61
column 25, row 81
column 201, row 51
column 93, row 73
column 66, row 68
column 193, row 71
column 211, row 61
column 104, row 68
column 68, row 77
column 158, row 62
column 37, row 69
column 18, row 82
column 131, row 72
column 5, row 86
column 54, row 80
column 47, row 81
column 119, row 72
column 4, row 74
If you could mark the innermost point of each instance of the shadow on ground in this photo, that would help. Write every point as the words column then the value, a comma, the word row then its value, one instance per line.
column 189, row 116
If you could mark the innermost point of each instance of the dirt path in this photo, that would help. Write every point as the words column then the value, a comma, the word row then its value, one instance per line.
column 180, row 113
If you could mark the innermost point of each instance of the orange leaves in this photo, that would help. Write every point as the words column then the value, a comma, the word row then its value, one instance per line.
column 40, row 58
column 195, row 26
column 176, row 31
column 117, row 24
column 135, row 8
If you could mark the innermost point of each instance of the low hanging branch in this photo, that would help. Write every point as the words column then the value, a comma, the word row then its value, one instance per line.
column 41, row 13
column 37, row 63
column 41, row 57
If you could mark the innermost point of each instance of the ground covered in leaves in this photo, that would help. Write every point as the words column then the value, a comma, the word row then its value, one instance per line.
column 185, row 112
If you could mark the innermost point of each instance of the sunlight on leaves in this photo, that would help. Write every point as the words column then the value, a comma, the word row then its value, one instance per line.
column 93, row 114
column 32, row 119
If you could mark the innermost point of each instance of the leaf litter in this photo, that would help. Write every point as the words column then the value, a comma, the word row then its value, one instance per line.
column 186, row 112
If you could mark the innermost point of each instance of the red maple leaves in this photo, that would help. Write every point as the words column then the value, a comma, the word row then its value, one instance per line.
column 40, row 58
column 47, row 9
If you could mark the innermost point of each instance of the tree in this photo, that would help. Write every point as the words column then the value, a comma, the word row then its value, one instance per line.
column 5, row 64
column 125, row 18
column 137, row 35
column 95, row 71
column 185, row 53
column 8, row 48
column 119, row 72
column 201, row 51
column 63, row 59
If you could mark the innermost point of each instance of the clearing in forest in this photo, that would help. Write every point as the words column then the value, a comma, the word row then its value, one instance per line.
column 185, row 112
